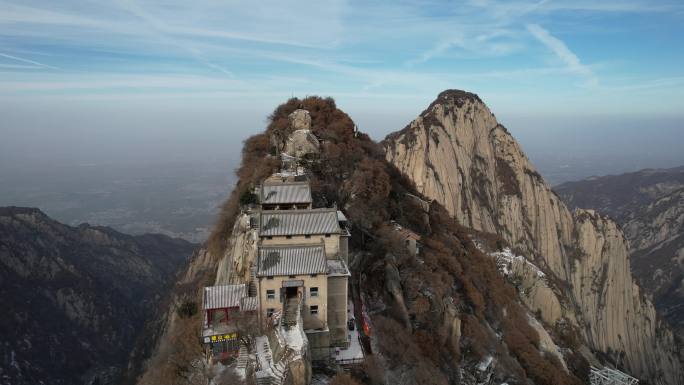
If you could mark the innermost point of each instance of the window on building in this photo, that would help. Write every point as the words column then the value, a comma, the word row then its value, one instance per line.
column 288, row 236
column 313, row 292
column 314, row 310
column 314, row 275
column 269, row 311
column 269, row 277
column 269, row 237
column 307, row 236
column 327, row 235
column 292, row 276
column 270, row 294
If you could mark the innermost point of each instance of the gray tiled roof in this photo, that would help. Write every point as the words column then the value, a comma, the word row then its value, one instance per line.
column 299, row 222
column 289, row 192
column 218, row 297
column 249, row 303
column 291, row 260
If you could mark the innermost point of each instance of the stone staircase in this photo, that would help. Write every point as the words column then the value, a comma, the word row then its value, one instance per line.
column 243, row 357
column 252, row 289
column 269, row 372
column 291, row 311
column 272, row 360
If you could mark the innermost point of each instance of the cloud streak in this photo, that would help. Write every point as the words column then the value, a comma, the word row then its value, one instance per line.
column 27, row 61
column 561, row 50
column 407, row 49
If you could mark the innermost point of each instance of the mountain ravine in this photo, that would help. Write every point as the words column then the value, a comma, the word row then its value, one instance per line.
column 649, row 206
column 80, row 299
column 459, row 155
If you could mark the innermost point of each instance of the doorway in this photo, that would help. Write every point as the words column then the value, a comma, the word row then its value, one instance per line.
column 291, row 292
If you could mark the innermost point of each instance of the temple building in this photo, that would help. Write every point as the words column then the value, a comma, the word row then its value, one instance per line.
column 314, row 226
column 284, row 193
column 302, row 260
column 223, row 307
column 291, row 262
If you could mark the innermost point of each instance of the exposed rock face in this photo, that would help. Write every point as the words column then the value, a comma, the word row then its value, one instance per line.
column 458, row 154
column 533, row 286
column 300, row 120
column 78, row 297
column 649, row 206
column 234, row 266
column 302, row 142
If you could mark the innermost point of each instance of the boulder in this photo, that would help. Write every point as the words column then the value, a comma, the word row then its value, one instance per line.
column 300, row 120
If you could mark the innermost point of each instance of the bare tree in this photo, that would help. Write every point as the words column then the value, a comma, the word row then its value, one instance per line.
column 247, row 326
column 181, row 359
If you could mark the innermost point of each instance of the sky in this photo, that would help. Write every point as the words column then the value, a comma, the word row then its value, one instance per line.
column 151, row 81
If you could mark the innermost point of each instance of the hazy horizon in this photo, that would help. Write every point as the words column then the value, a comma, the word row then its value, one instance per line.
column 196, row 134
column 586, row 88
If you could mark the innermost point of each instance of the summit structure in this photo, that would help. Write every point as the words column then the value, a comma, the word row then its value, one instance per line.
column 288, row 268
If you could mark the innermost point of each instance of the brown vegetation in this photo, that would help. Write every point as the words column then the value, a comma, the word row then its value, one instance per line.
column 352, row 174
column 344, row 379
column 179, row 359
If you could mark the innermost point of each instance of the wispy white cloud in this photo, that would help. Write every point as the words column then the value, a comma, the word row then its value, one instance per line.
column 505, row 9
column 437, row 50
column 163, row 30
column 108, row 81
column 367, row 49
column 27, row 61
column 499, row 42
column 654, row 84
column 266, row 22
column 561, row 50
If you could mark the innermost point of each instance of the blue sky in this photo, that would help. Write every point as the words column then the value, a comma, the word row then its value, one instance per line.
column 172, row 71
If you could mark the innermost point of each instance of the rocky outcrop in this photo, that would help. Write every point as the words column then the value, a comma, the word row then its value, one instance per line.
column 300, row 119
column 79, row 298
column 233, row 268
column 532, row 284
column 301, row 143
column 649, row 206
column 458, row 154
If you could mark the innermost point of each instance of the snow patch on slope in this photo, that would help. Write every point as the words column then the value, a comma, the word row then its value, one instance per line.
column 505, row 260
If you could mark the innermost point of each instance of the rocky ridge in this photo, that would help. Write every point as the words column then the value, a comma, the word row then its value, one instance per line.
column 460, row 156
column 79, row 297
column 649, row 206
column 445, row 315
column 449, row 314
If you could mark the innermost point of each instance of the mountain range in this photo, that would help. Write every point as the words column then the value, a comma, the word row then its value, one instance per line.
column 649, row 206
column 515, row 282
column 81, row 302
column 510, row 284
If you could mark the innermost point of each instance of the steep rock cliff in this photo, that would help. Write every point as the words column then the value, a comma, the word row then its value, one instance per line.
column 459, row 155
column 649, row 206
